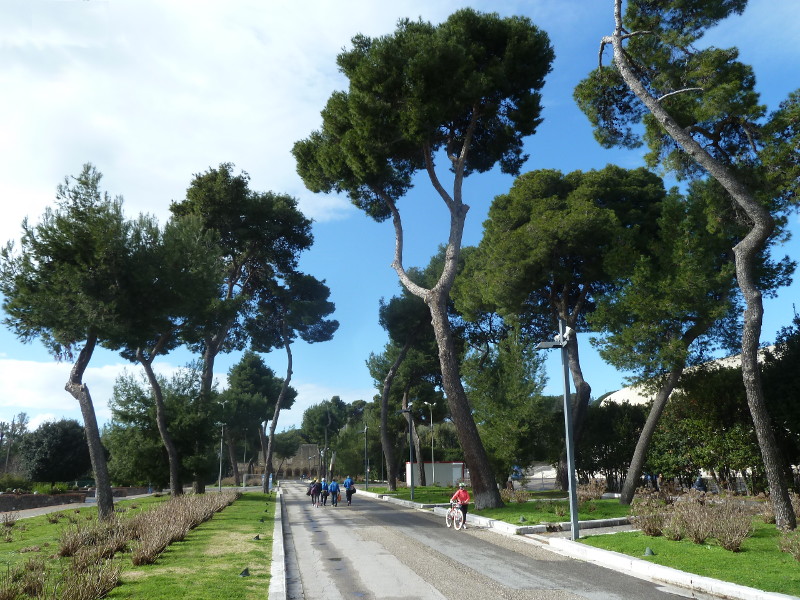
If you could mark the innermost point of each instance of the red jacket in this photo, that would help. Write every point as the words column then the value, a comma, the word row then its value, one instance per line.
column 461, row 496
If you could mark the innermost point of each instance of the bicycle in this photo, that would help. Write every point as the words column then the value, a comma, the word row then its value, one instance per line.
column 454, row 517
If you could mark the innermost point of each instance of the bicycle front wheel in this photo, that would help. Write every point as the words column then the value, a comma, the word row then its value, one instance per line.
column 458, row 521
column 448, row 518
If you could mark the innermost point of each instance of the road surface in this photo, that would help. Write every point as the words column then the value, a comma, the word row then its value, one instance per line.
column 374, row 549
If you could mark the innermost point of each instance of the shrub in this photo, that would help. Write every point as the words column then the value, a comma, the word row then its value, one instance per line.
column 9, row 519
column 790, row 542
column 648, row 512
column 732, row 524
column 593, row 490
column 768, row 512
column 695, row 516
column 519, row 496
column 95, row 581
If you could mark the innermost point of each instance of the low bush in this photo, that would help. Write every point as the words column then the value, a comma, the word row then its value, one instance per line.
column 732, row 524
column 695, row 516
column 648, row 512
column 790, row 542
column 593, row 490
column 519, row 496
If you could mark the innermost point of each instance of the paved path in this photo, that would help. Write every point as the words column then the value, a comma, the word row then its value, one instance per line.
column 376, row 550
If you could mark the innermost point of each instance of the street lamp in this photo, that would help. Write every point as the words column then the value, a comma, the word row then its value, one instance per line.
column 433, row 464
column 366, row 464
column 410, row 448
column 560, row 341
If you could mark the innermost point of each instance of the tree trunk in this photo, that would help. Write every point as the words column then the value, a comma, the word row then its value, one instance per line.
column 484, row 486
column 746, row 253
column 262, row 436
column 386, row 443
column 640, row 453
column 580, row 404
column 268, row 456
column 230, row 442
column 80, row 391
column 418, row 453
column 175, row 483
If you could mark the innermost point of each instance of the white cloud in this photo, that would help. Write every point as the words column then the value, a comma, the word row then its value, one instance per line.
column 37, row 388
column 309, row 394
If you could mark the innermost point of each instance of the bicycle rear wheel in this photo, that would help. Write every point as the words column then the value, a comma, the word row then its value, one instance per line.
column 448, row 517
column 458, row 520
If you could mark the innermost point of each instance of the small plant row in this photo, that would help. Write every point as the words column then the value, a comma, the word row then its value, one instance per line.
column 698, row 516
column 593, row 490
column 89, row 548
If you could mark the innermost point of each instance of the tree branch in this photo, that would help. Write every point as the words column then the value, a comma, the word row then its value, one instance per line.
column 676, row 92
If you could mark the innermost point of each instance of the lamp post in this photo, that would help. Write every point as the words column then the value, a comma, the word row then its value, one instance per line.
column 433, row 464
column 366, row 463
column 407, row 411
column 561, row 340
column 311, row 464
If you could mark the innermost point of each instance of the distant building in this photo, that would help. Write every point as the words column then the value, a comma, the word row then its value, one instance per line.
column 637, row 394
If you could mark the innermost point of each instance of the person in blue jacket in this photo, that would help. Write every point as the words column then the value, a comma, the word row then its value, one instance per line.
column 349, row 488
column 333, row 490
column 324, row 492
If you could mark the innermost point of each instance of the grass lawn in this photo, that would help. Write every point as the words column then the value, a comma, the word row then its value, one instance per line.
column 544, row 509
column 760, row 564
column 37, row 536
column 207, row 564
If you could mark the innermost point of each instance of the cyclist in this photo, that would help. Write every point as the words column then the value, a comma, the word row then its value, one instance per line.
column 462, row 497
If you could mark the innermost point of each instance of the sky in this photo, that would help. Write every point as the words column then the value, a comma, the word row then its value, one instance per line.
column 153, row 92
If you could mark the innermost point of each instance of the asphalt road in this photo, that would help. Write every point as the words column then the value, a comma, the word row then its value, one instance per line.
column 376, row 550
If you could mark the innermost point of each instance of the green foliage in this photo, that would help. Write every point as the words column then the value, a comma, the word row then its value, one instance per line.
column 674, row 301
column 475, row 78
column 69, row 278
column 608, row 440
column 504, row 385
column 706, row 425
column 781, row 385
column 554, row 238
column 56, row 451
column 137, row 453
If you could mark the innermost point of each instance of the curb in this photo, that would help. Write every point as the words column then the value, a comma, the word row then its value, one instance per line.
column 277, row 574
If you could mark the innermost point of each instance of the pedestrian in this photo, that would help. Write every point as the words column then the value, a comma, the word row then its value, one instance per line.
column 462, row 497
column 333, row 490
column 324, row 492
column 348, row 488
column 316, row 488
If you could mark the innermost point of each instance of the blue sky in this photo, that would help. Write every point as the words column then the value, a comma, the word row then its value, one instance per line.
column 152, row 92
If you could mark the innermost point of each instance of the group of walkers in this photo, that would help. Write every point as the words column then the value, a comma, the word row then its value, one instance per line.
column 321, row 491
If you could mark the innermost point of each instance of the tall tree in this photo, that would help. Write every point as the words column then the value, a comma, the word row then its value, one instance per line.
column 468, row 88
column 261, row 235
column 674, row 305
column 548, row 250
column 64, row 287
column 175, row 276
column 701, row 116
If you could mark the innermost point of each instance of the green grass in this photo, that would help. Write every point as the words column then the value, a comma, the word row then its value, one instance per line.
column 207, row 564
column 760, row 564
column 554, row 511
column 39, row 537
